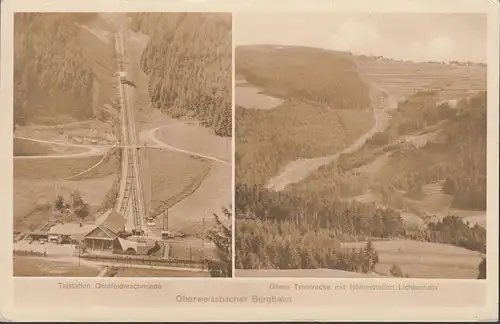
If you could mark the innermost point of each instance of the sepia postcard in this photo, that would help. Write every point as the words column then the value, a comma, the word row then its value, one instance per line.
column 250, row 161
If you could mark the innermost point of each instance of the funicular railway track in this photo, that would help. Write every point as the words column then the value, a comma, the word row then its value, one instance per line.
column 131, row 200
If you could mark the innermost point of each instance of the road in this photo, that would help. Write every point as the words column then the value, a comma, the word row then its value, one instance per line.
column 298, row 170
column 156, row 143
column 92, row 150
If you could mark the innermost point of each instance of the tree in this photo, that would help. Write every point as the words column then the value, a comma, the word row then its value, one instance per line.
column 80, row 208
column 59, row 203
column 370, row 257
column 222, row 237
column 396, row 271
column 482, row 269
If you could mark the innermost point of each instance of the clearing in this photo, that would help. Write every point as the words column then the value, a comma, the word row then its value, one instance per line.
column 424, row 259
column 302, row 273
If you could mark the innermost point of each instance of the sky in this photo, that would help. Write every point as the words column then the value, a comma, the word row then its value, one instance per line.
column 404, row 36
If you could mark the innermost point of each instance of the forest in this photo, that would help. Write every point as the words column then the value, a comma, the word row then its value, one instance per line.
column 282, row 230
column 287, row 72
column 272, row 245
column 306, row 225
column 51, row 74
column 311, row 130
column 188, row 60
column 457, row 157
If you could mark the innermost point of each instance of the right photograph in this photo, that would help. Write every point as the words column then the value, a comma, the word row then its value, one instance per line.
column 360, row 145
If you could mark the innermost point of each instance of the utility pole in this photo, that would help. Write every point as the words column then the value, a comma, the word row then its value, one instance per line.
column 203, row 231
column 203, row 241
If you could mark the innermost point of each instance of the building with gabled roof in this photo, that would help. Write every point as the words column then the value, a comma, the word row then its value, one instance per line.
column 100, row 238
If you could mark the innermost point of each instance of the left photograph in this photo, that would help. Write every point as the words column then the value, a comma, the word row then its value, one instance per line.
column 122, row 145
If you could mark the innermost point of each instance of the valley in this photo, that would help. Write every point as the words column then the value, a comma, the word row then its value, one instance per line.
column 69, row 138
column 399, row 167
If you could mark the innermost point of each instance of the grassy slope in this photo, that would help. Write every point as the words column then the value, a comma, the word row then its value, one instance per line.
column 175, row 180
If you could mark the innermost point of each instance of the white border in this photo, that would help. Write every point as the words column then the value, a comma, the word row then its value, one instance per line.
column 86, row 310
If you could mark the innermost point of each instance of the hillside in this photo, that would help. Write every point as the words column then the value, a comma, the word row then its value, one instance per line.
column 320, row 110
column 55, row 74
column 309, row 130
column 427, row 158
column 286, row 71
column 451, row 152
column 188, row 60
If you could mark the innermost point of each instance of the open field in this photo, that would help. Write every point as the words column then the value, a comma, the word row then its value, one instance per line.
column 196, row 139
column 145, row 273
column 191, row 250
column 23, row 147
column 90, row 129
column 32, row 196
column 174, row 177
column 47, row 169
column 401, row 79
column 110, row 165
column 305, row 273
column 38, row 267
column 424, row 259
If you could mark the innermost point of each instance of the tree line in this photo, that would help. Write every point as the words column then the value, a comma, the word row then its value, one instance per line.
column 453, row 230
column 267, row 244
column 284, row 230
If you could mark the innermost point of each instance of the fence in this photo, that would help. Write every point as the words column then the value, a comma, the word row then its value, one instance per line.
column 29, row 253
column 129, row 260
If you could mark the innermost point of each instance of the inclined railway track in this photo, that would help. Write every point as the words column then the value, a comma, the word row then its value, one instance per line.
column 132, row 197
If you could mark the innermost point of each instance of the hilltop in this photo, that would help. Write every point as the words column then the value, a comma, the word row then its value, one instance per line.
column 287, row 71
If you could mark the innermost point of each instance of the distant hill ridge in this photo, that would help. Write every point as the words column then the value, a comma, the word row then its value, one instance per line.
column 312, row 74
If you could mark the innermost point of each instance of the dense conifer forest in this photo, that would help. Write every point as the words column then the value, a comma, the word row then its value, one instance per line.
column 188, row 60
column 51, row 72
